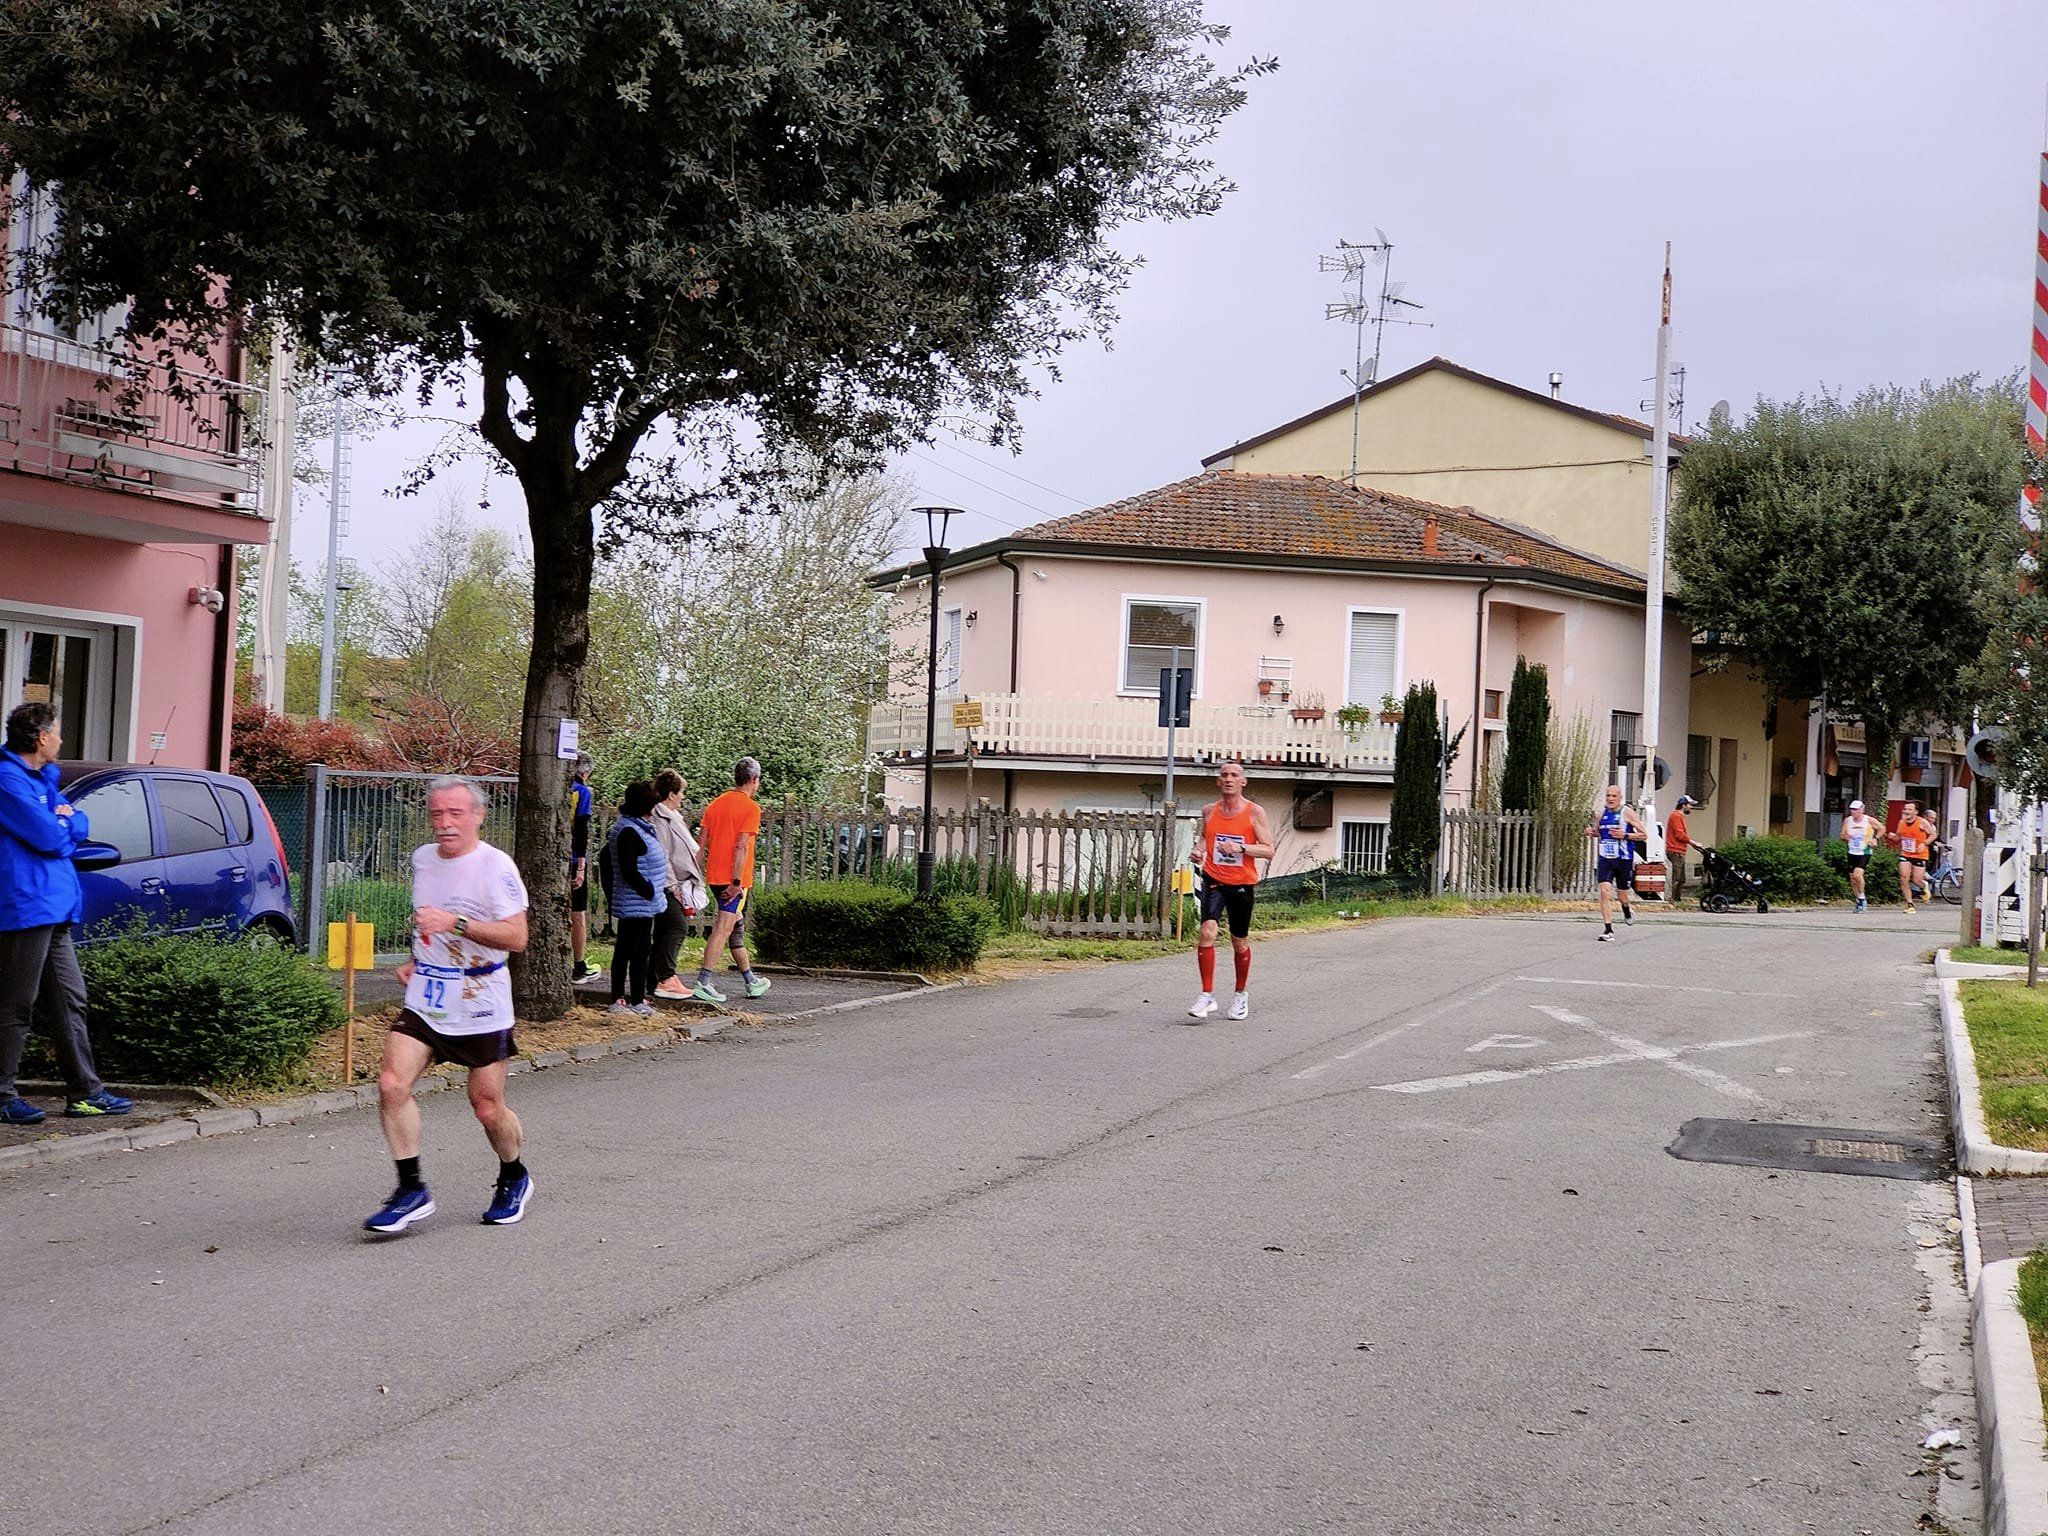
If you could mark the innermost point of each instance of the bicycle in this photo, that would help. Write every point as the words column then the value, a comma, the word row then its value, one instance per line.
column 1946, row 880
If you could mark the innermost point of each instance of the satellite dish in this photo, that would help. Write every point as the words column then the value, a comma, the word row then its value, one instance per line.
column 1720, row 415
column 1981, row 753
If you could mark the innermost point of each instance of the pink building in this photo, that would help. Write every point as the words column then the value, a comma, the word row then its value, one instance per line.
column 123, row 493
column 1289, row 594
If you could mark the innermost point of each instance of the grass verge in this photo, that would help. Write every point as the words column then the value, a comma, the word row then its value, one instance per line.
column 2009, row 1032
column 2033, row 1301
column 1011, row 952
column 1986, row 954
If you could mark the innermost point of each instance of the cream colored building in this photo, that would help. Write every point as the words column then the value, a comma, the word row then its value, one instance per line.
column 1443, row 433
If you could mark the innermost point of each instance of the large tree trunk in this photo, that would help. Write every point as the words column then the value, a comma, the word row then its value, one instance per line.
column 563, row 555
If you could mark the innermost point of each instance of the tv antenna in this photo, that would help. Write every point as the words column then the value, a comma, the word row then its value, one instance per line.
column 1355, row 259
column 1676, row 404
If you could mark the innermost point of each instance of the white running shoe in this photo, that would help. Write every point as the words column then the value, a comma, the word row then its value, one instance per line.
column 1240, row 1006
column 1607, row 937
column 1202, row 1007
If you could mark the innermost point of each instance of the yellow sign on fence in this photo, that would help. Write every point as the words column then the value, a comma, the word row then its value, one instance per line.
column 1183, row 881
column 366, row 946
column 966, row 714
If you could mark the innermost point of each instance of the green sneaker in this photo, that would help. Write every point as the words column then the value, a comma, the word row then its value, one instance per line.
column 705, row 992
column 758, row 986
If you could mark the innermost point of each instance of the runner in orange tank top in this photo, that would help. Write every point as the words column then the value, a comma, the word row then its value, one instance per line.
column 1234, row 837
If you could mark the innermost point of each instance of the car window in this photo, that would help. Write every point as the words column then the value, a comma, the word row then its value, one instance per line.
column 192, row 819
column 119, row 814
column 237, row 807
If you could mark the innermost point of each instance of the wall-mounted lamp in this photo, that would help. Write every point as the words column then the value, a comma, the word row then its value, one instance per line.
column 1279, row 624
column 212, row 599
column 972, row 615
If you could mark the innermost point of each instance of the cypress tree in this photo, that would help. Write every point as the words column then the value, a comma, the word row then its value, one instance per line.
column 1521, row 779
column 1415, row 824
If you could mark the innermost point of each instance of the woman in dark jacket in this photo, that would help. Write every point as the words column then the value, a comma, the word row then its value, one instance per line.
column 640, row 876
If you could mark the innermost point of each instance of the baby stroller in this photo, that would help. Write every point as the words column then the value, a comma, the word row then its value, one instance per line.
column 1727, row 884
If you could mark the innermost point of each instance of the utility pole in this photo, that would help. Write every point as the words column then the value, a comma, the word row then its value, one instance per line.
column 336, row 510
column 1653, row 606
column 273, row 601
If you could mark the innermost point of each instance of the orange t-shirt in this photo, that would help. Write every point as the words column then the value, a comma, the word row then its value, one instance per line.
column 1914, row 837
column 732, row 816
column 1223, row 842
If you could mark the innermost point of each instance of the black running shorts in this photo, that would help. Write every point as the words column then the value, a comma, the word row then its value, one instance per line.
column 579, row 895
column 458, row 1050
column 1859, row 861
column 1235, row 901
column 1620, row 873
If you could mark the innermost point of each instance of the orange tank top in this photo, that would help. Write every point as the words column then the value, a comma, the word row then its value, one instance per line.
column 1223, row 843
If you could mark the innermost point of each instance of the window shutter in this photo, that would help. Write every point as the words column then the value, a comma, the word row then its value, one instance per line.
column 949, row 655
column 1374, row 639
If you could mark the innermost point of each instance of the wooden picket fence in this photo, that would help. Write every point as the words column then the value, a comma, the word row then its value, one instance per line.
column 1095, row 873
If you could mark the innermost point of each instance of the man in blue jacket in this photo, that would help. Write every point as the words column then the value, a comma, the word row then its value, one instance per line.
column 39, row 902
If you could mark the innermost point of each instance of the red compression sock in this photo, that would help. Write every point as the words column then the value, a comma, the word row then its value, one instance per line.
column 1205, row 957
column 1243, row 957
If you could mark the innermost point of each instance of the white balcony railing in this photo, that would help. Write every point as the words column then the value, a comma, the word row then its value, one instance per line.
column 72, row 411
column 1030, row 725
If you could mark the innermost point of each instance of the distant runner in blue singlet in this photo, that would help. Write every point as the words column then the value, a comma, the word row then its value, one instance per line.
column 1618, row 830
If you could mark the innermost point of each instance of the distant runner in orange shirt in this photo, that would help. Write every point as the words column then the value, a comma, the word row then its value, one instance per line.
column 1234, row 837
column 732, row 823
column 1915, row 838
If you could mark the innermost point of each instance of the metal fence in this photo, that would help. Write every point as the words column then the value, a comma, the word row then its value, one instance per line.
column 1510, row 853
column 349, row 836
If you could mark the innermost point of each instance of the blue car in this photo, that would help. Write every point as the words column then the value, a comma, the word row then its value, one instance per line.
column 178, row 849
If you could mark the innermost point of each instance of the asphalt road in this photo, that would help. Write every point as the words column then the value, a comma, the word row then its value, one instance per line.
column 1045, row 1257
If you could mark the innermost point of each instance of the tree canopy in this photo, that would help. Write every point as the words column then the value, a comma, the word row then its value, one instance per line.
column 756, row 223
column 1839, row 546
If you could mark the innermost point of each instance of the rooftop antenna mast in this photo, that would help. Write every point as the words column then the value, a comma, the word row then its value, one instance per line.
column 1355, row 259
column 1675, row 404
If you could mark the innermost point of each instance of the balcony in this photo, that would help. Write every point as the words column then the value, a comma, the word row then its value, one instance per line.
column 88, row 416
column 1110, row 731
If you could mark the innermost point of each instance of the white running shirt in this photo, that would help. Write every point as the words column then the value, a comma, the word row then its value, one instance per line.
column 1856, row 833
column 458, row 986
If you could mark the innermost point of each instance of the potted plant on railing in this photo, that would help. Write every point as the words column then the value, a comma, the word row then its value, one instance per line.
column 1354, row 718
column 1390, row 709
column 1265, row 687
column 1310, row 708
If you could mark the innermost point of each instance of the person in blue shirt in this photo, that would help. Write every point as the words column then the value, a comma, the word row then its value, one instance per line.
column 1618, row 830
column 579, row 871
column 39, row 902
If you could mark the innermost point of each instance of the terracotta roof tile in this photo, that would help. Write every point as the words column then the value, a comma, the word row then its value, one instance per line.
column 1232, row 512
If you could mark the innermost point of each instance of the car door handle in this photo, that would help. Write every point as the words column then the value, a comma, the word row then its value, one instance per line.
column 236, row 873
column 152, row 884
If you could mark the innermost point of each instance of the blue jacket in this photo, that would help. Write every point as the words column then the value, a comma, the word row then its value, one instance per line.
column 38, row 886
column 645, row 867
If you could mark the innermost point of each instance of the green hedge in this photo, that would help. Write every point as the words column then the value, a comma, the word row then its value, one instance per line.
column 864, row 926
column 196, row 1008
column 1880, row 876
column 1792, row 871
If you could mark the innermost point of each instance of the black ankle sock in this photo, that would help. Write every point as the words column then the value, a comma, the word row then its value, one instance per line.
column 512, row 1172
column 409, row 1174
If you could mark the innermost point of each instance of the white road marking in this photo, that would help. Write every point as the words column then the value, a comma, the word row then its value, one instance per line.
column 1630, row 1051
column 1399, row 1029
column 1507, row 1043
column 1647, row 986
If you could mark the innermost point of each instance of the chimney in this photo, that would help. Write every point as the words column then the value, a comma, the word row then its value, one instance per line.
column 1556, row 385
column 1429, row 536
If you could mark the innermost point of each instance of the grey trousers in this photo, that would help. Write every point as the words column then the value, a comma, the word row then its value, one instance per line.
column 40, row 983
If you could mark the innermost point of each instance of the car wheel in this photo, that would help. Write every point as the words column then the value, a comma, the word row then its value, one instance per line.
column 266, row 933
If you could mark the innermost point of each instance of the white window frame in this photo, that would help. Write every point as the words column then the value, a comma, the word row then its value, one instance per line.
column 116, row 678
column 1346, row 822
column 1123, row 640
column 37, row 332
column 1400, row 618
column 949, row 651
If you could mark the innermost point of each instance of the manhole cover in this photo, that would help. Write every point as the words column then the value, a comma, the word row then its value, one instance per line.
column 1087, row 1013
column 1808, row 1149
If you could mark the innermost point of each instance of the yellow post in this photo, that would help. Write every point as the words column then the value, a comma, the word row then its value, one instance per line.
column 348, row 1002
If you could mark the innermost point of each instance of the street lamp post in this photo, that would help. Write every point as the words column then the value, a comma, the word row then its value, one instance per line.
column 935, row 521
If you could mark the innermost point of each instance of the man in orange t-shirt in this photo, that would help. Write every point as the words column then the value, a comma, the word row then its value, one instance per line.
column 1915, row 838
column 732, row 825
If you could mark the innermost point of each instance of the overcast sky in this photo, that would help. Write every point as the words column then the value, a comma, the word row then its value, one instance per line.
column 1850, row 189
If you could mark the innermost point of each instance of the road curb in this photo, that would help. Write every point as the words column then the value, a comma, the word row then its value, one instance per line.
column 228, row 1121
column 1969, row 970
column 2012, row 1437
column 1976, row 1152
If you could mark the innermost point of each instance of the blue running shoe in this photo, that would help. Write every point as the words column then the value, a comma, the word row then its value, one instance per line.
column 508, row 1202
column 101, row 1103
column 405, row 1207
column 20, row 1112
